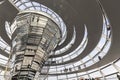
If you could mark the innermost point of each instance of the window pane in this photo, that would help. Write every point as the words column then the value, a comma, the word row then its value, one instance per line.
column 95, row 74
column 109, row 70
column 118, row 63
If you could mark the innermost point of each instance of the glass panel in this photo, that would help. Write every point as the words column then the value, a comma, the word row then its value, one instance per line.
column 52, row 78
column 7, row 27
column 22, row 7
column 92, row 70
column 3, row 59
column 49, row 12
column 118, row 63
column 102, row 42
column 24, row 0
column 66, row 59
column 36, row 4
column 52, row 70
column 37, row 8
column 95, row 74
column 73, row 56
column 81, row 73
column 72, row 79
column 43, row 9
column 71, row 75
column 89, row 63
column 107, row 46
column 93, row 53
column 96, row 59
column 77, row 63
column 112, row 77
column 61, row 77
column 109, row 70
column 31, row 8
column 82, row 66
column 28, row 4
column 86, row 59
column 86, row 76
column 18, row 3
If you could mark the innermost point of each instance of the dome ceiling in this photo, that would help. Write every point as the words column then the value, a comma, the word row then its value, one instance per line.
column 86, row 25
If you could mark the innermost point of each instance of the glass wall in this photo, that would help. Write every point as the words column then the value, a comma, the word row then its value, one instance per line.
column 110, row 71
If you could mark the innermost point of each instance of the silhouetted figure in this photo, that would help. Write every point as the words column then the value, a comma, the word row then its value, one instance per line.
column 92, row 79
column 118, row 76
column 28, row 66
column 65, row 70
column 16, row 69
column 108, row 27
column 70, row 69
column 79, row 67
column 99, row 57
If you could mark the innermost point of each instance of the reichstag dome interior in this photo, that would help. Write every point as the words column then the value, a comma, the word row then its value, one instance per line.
column 59, row 39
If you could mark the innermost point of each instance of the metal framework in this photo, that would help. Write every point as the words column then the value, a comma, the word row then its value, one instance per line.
column 88, row 37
